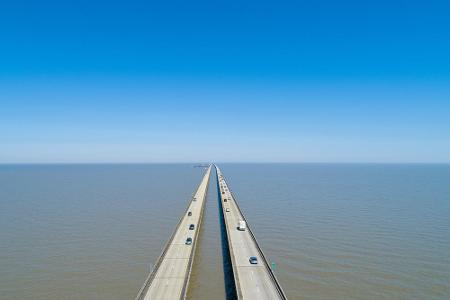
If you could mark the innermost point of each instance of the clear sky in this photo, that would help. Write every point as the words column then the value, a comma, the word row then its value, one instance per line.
column 171, row 81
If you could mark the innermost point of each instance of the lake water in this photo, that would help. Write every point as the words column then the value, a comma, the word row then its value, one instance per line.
column 334, row 231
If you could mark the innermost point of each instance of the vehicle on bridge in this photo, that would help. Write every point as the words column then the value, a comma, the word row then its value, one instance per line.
column 253, row 260
column 242, row 225
column 191, row 227
column 188, row 241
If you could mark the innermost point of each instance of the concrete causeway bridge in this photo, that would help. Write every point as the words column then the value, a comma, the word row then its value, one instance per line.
column 253, row 277
column 252, row 281
column 170, row 276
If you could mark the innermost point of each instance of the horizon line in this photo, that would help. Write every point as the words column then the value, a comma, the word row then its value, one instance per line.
column 228, row 162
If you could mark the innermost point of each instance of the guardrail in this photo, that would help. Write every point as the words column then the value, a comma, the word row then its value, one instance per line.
column 266, row 262
column 151, row 276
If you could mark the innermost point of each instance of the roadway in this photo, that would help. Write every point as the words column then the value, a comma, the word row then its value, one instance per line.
column 170, row 277
column 253, row 282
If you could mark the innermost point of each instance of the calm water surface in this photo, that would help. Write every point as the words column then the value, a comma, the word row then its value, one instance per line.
column 334, row 231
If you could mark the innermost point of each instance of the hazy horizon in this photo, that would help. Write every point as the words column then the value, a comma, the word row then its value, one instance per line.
column 226, row 162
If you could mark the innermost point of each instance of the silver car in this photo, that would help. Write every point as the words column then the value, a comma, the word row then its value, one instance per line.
column 253, row 260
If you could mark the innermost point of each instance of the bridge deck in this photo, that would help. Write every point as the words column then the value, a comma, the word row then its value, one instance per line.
column 252, row 281
column 170, row 276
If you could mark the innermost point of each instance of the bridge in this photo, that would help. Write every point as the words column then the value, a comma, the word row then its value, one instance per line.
column 252, row 281
column 169, row 278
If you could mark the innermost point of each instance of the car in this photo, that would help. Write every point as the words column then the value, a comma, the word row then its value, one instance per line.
column 191, row 227
column 195, row 199
column 242, row 226
column 188, row 241
column 227, row 210
column 225, row 200
column 223, row 192
column 189, row 213
column 253, row 260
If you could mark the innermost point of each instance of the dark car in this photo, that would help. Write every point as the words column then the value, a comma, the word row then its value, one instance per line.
column 190, row 213
column 253, row 260
column 191, row 227
column 188, row 241
column 225, row 200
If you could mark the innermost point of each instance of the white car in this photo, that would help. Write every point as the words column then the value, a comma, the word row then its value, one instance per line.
column 242, row 226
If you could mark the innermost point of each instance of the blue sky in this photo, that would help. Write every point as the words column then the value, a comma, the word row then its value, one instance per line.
column 304, row 81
